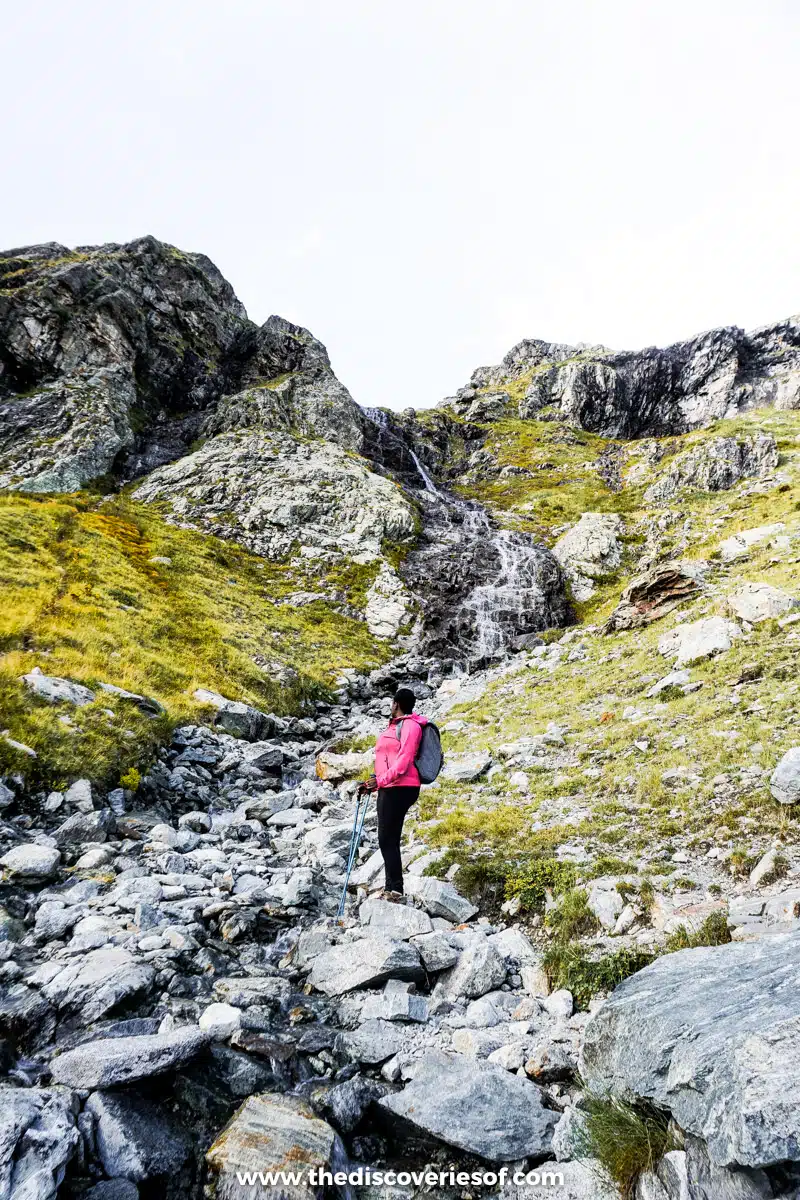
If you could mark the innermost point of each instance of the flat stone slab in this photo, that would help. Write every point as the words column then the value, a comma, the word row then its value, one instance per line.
column 476, row 1106
column 395, row 920
column 712, row 1035
column 96, row 982
column 111, row 1061
column 271, row 1132
column 364, row 963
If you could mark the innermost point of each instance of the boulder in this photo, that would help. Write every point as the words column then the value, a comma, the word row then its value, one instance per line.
column 145, row 704
column 112, row 1061
column 605, row 902
column 31, row 862
column 336, row 767
column 692, row 642
column 137, row 1139
column 785, row 780
column 399, row 921
column 113, row 1189
column 466, row 768
column 440, row 899
column 397, row 1002
column 373, row 1042
column 271, row 1132
column 479, row 970
column 475, row 1106
column 754, row 602
column 237, row 718
column 653, row 594
column 590, row 551
column 738, row 545
column 38, row 1138
column 364, row 963
column 710, row 1034
column 94, row 983
column 388, row 603
column 80, row 828
column 715, row 465
column 577, row 1180
column 436, row 951
column 346, row 1103
column 219, row 1021
column 57, row 691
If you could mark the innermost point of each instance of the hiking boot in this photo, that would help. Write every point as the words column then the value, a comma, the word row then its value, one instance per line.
column 393, row 897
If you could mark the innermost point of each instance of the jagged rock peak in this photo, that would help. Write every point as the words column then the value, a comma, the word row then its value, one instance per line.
column 655, row 391
column 113, row 357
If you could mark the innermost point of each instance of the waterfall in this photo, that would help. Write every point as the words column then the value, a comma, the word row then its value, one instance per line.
column 430, row 486
column 482, row 586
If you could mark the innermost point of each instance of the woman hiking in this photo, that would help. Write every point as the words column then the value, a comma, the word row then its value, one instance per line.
column 397, row 782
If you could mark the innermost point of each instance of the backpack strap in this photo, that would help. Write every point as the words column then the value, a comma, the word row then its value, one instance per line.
column 399, row 723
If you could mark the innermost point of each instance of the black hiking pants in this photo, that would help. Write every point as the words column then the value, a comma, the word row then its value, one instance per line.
column 393, row 804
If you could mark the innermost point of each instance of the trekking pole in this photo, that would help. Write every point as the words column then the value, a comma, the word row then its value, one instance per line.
column 355, row 841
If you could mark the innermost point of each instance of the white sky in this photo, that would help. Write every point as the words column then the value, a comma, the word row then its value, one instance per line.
column 424, row 183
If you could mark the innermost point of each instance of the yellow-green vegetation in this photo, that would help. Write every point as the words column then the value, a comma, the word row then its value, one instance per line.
column 104, row 590
column 567, row 965
column 626, row 1139
column 639, row 778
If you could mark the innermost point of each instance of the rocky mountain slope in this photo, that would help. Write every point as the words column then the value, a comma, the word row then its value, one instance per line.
column 216, row 568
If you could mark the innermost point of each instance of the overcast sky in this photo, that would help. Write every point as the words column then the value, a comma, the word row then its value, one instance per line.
column 424, row 183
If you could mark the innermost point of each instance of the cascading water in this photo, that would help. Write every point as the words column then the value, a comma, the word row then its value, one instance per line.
column 483, row 586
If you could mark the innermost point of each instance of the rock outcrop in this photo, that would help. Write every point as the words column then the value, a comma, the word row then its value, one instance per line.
column 654, row 391
column 711, row 1035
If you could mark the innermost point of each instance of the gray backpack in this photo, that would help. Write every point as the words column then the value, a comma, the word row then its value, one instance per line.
column 429, row 759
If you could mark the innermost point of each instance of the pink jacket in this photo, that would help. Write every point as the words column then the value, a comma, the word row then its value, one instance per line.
column 394, row 760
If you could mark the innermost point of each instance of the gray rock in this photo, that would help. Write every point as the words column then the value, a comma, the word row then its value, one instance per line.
column 54, row 919
column 7, row 797
column 578, row 1180
column 38, row 1138
column 94, row 983
column 346, row 1103
column 399, row 921
column 785, row 780
column 605, row 902
column 475, row 1106
column 440, row 899
column 697, row 640
column 466, row 768
column 136, row 1139
column 114, row 1189
column 265, row 1134
column 397, row 1002
column 79, row 795
column 145, row 704
column 738, row 546
column 31, row 861
column 711, row 1035
column 590, row 551
column 706, row 1181
column 247, row 990
column 675, row 679
column 241, row 720
column 479, row 970
column 57, row 691
column 364, row 963
column 436, row 951
column 754, row 602
column 314, row 493
column 715, row 465
column 372, row 1043
column 111, row 1061
column 80, row 828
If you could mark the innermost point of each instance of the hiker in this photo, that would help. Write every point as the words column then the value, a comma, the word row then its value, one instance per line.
column 397, row 782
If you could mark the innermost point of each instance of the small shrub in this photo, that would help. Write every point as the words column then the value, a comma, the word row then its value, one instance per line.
column 130, row 780
column 538, row 877
column 570, row 967
column 713, row 932
column 572, row 917
column 626, row 1139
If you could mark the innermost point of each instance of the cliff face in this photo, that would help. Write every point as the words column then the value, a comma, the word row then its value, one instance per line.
column 113, row 359
column 648, row 392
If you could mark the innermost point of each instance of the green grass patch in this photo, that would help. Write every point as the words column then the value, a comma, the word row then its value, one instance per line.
column 627, row 1139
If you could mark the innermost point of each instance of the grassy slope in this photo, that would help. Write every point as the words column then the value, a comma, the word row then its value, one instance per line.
column 614, row 803
column 82, row 597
